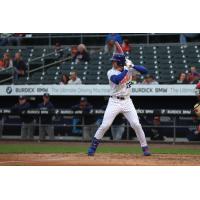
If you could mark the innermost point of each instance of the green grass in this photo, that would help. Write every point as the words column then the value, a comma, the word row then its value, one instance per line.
column 51, row 148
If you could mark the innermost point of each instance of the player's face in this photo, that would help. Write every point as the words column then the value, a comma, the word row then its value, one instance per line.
column 116, row 67
column 83, row 104
column 22, row 101
column 45, row 99
column 156, row 120
column 114, row 64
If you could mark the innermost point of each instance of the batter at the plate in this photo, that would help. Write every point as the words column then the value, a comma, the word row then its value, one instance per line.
column 120, row 77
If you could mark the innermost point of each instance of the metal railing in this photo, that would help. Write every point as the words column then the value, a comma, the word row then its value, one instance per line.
column 75, row 38
column 126, row 134
column 40, row 58
column 37, row 116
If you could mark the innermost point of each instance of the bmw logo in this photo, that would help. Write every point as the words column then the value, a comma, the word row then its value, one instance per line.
column 8, row 90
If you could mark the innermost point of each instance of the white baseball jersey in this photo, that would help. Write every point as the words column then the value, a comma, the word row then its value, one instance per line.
column 124, row 87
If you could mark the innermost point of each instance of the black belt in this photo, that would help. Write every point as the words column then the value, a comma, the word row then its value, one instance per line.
column 120, row 98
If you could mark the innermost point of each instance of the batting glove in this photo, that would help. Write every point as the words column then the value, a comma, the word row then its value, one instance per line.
column 129, row 63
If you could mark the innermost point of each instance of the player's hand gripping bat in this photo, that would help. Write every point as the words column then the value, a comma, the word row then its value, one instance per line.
column 129, row 63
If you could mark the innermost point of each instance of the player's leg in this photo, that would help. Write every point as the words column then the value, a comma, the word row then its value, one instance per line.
column 23, row 130
column 31, row 130
column 120, row 132
column 50, row 131
column 113, row 131
column 112, row 110
column 117, row 131
column 86, row 132
column 93, row 129
column 89, row 133
column 130, row 113
column 41, row 132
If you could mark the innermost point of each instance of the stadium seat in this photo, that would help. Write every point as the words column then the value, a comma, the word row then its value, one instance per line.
column 163, row 61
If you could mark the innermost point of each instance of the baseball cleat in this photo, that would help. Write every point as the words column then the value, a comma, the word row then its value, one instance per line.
column 146, row 151
column 92, row 149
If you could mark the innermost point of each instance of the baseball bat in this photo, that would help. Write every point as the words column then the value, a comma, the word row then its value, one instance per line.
column 118, row 47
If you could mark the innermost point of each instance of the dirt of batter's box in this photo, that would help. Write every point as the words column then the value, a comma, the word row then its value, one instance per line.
column 105, row 159
column 100, row 159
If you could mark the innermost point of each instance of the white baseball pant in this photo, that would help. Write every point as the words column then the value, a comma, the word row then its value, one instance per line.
column 126, row 107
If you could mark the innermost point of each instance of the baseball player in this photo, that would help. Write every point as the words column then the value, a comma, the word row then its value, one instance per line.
column 194, row 134
column 46, row 126
column 27, row 127
column 197, row 105
column 120, row 77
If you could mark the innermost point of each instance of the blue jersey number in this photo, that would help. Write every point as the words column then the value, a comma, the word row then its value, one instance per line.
column 128, row 85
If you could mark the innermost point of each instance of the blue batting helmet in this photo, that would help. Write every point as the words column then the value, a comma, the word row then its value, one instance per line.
column 119, row 58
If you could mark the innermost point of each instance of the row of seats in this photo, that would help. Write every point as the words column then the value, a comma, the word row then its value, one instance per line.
column 28, row 53
column 164, row 62
column 33, row 57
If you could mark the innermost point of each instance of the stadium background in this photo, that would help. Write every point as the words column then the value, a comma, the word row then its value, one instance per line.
column 47, row 57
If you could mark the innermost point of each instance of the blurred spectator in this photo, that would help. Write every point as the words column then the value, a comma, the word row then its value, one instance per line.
column 74, row 79
column 88, row 131
column 64, row 79
column 110, row 41
column 115, row 37
column 82, row 54
column 182, row 78
column 184, row 36
column 19, row 66
column 27, row 127
column 125, row 46
column 193, row 76
column 156, row 132
column 149, row 79
column 74, row 52
column 136, row 78
column 118, row 127
column 6, row 61
column 46, row 123
column 59, row 51
column 109, row 47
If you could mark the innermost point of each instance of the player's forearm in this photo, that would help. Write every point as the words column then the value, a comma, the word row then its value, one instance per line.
column 141, row 69
column 118, row 78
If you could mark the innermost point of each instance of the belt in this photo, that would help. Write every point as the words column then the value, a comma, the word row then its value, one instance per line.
column 120, row 98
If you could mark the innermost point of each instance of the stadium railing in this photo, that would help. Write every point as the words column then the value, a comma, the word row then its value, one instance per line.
column 37, row 114
column 51, row 38
column 40, row 58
